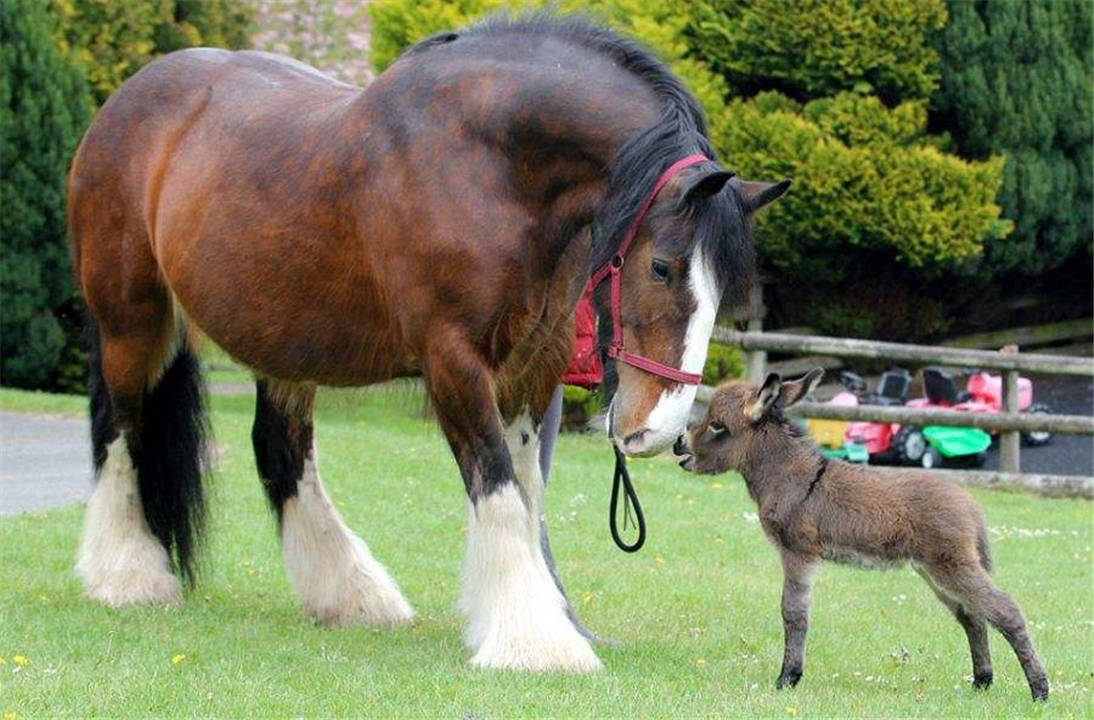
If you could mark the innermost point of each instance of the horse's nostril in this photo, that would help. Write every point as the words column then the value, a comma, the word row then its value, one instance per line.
column 679, row 447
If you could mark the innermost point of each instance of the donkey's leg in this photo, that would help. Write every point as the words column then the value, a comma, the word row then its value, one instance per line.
column 974, row 589
column 517, row 614
column 146, row 435
column 334, row 574
column 798, row 574
column 975, row 628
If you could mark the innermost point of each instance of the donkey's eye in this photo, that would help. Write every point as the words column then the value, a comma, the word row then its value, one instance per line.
column 660, row 270
column 717, row 428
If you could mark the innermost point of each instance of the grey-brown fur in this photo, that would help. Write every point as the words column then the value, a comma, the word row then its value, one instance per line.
column 813, row 509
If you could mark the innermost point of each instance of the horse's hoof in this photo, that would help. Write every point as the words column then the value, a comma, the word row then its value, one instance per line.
column 573, row 657
column 982, row 680
column 138, row 588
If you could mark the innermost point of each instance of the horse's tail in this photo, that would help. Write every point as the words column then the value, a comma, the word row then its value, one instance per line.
column 170, row 451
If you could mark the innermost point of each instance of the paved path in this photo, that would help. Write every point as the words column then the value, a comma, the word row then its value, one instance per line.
column 45, row 462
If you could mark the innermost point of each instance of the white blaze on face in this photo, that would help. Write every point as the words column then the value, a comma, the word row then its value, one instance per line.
column 669, row 416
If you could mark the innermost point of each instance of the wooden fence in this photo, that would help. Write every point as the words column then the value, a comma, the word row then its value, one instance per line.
column 1010, row 422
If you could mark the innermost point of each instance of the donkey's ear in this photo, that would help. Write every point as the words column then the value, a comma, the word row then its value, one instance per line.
column 758, row 194
column 707, row 186
column 794, row 390
column 766, row 397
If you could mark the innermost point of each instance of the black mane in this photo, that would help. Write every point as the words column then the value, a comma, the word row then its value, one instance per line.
column 721, row 224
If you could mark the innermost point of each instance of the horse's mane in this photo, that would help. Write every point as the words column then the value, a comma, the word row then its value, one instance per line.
column 720, row 224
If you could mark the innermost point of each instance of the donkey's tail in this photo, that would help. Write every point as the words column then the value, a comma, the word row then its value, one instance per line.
column 983, row 547
column 170, row 452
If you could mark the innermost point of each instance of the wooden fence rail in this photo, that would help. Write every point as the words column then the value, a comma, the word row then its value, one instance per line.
column 1010, row 422
column 1065, row 424
column 921, row 354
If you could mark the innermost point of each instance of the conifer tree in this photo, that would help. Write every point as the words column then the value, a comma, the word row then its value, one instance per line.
column 44, row 107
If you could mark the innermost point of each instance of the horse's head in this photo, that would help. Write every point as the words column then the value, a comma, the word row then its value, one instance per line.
column 692, row 247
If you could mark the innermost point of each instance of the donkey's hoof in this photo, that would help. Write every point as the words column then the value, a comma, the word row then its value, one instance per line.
column 982, row 680
column 1039, row 689
column 789, row 678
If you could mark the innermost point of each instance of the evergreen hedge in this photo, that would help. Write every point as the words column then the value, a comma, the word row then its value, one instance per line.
column 1018, row 78
column 44, row 107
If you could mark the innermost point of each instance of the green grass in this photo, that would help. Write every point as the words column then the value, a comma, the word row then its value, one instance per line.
column 696, row 610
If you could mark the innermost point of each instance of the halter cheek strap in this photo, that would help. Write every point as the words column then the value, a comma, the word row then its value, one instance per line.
column 614, row 268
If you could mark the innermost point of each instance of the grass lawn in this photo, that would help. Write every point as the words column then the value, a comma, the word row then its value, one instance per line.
column 696, row 611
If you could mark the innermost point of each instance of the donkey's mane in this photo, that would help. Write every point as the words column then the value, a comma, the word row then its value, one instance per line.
column 720, row 224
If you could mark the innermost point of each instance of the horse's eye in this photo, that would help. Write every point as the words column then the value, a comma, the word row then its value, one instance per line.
column 660, row 270
column 717, row 428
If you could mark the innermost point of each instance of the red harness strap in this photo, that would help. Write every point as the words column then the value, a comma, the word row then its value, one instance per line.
column 615, row 266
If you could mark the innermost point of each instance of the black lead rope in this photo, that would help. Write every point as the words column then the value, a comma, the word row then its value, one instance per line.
column 630, row 497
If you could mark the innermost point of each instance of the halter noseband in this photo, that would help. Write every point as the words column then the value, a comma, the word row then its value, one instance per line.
column 615, row 266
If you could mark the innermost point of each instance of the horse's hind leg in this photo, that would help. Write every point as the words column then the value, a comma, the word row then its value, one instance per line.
column 517, row 614
column 147, row 442
column 336, row 577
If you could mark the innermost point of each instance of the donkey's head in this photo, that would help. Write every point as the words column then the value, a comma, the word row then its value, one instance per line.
column 693, row 246
column 738, row 423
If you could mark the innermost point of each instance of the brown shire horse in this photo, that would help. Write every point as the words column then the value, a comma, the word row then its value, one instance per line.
column 440, row 223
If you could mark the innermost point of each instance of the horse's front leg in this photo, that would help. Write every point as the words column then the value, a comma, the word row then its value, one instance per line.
column 517, row 616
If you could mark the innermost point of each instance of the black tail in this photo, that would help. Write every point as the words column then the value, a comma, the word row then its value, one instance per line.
column 169, row 453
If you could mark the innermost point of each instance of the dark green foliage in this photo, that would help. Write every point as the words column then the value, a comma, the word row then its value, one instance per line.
column 1017, row 79
column 44, row 107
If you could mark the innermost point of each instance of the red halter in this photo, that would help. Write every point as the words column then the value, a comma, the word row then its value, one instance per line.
column 613, row 268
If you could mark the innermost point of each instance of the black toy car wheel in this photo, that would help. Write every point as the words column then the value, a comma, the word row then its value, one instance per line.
column 931, row 459
column 1037, row 437
column 909, row 445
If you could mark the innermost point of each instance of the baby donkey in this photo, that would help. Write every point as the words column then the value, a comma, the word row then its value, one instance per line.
column 815, row 509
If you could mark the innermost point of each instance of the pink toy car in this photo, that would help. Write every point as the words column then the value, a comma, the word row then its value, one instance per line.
column 983, row 394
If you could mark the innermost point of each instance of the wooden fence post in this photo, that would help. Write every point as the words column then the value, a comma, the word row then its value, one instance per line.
column 756, row 360
column 1010, row 441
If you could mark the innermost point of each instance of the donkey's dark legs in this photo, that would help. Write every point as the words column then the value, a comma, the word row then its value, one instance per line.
column 517, row 616
column 977, row 631
column 336, row 577
column 797, row 585
column 976, row 592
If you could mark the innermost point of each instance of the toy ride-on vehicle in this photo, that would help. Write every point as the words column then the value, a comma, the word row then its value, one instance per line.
column 983, row 394
column 831, row 435
column 893, row 443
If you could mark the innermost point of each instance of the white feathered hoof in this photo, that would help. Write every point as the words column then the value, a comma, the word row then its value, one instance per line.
column 338, row 580
column 358, row 592
column 119, row 560
column 517, row 616
column 535, row 644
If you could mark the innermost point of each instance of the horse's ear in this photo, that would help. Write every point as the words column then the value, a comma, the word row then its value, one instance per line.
column 707, row 186
column 757, row 194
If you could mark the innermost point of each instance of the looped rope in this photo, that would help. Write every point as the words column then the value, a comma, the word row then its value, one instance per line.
column 622, row 477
